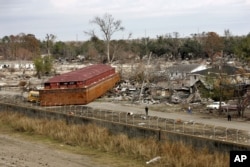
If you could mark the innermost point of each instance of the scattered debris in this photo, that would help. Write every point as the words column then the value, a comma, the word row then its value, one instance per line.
column 130, row 113
column 178, row 121
column 141, row 124
column 191, row 121
column 153, row 160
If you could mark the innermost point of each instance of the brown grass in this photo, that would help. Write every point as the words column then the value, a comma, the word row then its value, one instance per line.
column 172, row 154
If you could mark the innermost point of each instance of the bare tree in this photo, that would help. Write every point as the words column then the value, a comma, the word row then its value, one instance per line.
column 49, row 41
column 108, row 26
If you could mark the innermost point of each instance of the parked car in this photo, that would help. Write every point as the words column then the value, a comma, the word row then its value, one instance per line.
column 230, row 107
column 215, row 105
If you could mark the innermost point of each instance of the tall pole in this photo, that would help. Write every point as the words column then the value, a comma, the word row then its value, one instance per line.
column 146, row 75
column 220, row 66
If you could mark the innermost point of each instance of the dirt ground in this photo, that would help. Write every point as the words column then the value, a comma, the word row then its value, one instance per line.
column 19, row 151
column 16, row 152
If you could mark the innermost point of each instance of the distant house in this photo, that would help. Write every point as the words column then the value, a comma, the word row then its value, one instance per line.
column 237, row 79
column 177, row 76
column 176, row 81
column 183, row 70
column 17, row 65
column 233, row 74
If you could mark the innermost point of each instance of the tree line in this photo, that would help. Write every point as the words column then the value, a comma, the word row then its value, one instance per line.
column 169, row 46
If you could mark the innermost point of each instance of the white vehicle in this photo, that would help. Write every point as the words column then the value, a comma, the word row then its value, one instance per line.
column 216, row 105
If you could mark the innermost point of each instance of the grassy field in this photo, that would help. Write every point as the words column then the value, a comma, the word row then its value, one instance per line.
column 99, row 139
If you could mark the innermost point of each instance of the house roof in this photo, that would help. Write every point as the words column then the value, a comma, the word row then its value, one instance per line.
column 173, row 84
column 224, row 69
column 82, row 74
column 183, row 68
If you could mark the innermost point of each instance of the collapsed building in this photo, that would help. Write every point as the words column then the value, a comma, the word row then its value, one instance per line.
column 79, row 87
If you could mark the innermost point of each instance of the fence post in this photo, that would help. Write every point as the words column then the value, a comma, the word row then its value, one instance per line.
column 87, row 112
column 74, row 110
column 119, row 117
column 237, row 135
column 70, row 108
column 214, row 131
column 158, row 122
column 112, row 115
column 55, row 108
column 226, row 134
column 174, row 125
column 45, row 113
column 166, row 124
column 126, row 118
column 204, row 129
column 83, row 112
column 193, row 127
column 149, row 122
column 133, row 119
column 105, row 114
column 248, row 137
column 100, row 113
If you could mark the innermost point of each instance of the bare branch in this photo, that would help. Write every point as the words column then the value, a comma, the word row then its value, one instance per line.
column 108, row 26
column 90, row 33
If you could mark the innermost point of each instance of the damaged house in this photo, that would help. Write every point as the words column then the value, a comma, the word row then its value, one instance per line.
column 225, row 75
column 177, row 84
column 177, row 81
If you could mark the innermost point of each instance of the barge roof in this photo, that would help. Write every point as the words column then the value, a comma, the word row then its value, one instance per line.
column 82, row 74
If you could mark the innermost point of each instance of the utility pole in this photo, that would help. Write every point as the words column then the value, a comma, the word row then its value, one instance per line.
column 220, row 66
column 145, row 76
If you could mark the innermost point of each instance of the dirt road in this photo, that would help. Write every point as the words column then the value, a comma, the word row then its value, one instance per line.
column 16, row 152
column 196, row 117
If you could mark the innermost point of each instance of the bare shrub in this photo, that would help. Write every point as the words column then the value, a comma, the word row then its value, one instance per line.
column 22, row 83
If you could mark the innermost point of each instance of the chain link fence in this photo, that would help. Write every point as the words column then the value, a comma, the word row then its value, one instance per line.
column 176, row 126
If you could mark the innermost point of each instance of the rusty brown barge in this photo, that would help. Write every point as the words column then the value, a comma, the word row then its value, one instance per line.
column 79, row 87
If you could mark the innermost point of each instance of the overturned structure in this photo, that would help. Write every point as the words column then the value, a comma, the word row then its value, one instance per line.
column 79, row 87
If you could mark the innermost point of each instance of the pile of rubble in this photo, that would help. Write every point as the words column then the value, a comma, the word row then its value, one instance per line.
column 131, row 90
column 147, row 93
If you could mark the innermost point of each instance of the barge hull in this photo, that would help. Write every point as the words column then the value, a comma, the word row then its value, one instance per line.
column 77, row 96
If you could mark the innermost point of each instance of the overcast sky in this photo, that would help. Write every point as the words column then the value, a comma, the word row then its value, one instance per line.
column 68, row 19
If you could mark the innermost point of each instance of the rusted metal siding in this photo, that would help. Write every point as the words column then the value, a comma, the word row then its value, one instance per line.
column 57, row 97
column 72, row 96
column 98, row 90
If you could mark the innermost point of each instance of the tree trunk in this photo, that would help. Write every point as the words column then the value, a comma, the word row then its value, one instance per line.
column 108, row 56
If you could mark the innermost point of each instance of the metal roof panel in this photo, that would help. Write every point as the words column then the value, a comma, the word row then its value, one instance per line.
column 82, row 74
